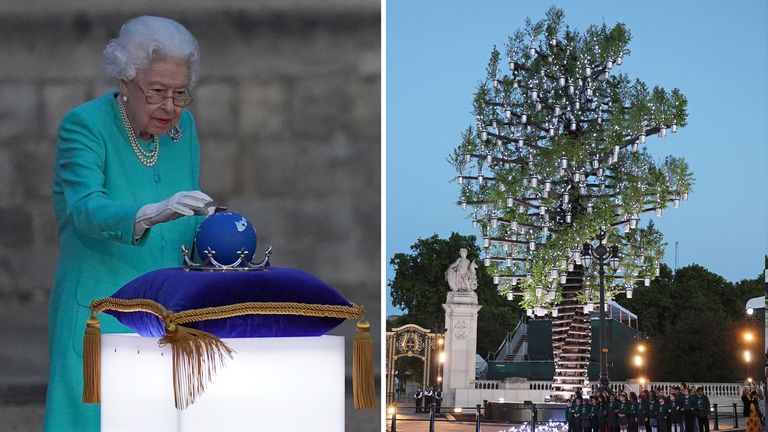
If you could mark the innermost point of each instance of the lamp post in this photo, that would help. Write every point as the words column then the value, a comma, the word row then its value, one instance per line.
column 600, row 253
column 441, row 362
column 639, row 360
column 748, row 337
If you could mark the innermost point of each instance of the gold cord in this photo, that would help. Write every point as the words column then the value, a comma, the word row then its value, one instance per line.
column 228, row 311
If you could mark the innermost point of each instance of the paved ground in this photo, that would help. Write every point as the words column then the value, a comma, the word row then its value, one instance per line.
column 408, row 421
column 420, row 423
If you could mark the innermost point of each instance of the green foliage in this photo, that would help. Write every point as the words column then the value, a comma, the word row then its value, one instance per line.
column 419, row 286
column 559, row 116
column 694, row 319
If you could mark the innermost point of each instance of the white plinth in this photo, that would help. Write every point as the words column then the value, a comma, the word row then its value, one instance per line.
column 286, row 384
column 460, row 343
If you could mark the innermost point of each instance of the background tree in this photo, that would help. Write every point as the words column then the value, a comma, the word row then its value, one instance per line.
column 695, row 320
column 419, row 287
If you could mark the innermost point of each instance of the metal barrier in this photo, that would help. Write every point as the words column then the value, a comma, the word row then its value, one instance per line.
column 432, row 417
column 477, row 418
column 393, row 424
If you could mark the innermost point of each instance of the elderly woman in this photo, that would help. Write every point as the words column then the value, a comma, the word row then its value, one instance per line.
column 125, row 177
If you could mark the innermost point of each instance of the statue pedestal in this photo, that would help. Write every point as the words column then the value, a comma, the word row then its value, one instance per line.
column 460, row 343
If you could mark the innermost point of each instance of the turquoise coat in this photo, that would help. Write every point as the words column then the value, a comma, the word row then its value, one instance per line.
column 98, row 187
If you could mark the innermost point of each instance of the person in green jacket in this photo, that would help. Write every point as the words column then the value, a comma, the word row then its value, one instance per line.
column 570, row 408
column 622, row 412
column 589, row 420
column 702, row 409
column 578, row 414
column 642, row 412
column 653, row 411
column 612, row 416
column 632, row 416
column 664, row 410
column 689, row 409
column 675, row 415
column 602, row 412
column 125, row 193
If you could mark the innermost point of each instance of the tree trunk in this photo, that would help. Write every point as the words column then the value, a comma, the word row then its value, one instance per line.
column 571, row 340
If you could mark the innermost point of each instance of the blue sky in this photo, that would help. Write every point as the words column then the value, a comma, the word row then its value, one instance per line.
column 715, row 52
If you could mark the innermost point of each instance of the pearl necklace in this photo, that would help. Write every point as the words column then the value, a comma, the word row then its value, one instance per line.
column 147, row 158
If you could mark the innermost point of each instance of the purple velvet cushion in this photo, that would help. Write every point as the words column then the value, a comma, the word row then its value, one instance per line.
column 178, row 290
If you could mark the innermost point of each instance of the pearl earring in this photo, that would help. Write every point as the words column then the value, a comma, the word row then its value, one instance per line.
column 125, row 98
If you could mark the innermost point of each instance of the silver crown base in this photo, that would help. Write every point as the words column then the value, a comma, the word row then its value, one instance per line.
column 210, row 263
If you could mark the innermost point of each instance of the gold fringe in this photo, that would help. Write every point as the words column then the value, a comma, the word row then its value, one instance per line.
column 197, row 354
column 92, row 361
column 363, row 385
column 196, row 357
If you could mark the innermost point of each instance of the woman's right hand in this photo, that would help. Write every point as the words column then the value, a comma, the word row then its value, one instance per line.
column 185, row 203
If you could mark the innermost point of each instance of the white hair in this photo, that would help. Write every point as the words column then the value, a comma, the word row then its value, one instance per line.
column 146, row 38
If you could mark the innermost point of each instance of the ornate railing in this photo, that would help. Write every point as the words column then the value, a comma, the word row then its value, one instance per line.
column 713, row 390
column 540, row 385
column 488, row 384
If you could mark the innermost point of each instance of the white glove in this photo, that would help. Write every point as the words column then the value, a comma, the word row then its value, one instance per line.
column 185, row 203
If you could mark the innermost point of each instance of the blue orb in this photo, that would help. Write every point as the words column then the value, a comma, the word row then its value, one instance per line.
column 226, row 233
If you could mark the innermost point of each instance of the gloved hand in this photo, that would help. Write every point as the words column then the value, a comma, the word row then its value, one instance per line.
column 185, row 203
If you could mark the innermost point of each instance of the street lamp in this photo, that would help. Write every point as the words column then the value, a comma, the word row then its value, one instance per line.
column 600, row 253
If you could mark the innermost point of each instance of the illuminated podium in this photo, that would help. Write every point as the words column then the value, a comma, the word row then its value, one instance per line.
column 271, row 384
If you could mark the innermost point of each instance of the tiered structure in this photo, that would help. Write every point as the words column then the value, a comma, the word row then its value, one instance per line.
column 557, row 157
column 571, row 340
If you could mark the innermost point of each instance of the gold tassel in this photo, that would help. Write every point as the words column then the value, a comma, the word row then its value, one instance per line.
column 363, row 385
column 196, row 357
column 92, row 361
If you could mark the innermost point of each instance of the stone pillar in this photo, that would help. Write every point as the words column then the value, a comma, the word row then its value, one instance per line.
column 460, row 343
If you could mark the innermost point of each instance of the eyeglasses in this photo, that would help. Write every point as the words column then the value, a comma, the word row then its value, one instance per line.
column 156, row 97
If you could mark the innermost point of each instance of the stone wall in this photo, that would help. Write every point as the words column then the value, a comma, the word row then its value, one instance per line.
column 288, row 112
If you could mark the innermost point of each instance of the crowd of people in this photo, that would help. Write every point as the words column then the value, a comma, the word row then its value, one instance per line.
column 425, row 399
column 680, row 409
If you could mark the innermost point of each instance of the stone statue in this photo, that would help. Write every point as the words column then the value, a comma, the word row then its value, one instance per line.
column 461, row 275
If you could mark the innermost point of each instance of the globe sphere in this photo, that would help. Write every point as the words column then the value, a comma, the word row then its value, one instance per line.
column 226, row 233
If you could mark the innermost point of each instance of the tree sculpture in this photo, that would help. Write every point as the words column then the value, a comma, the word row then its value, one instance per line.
column 558, row 159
